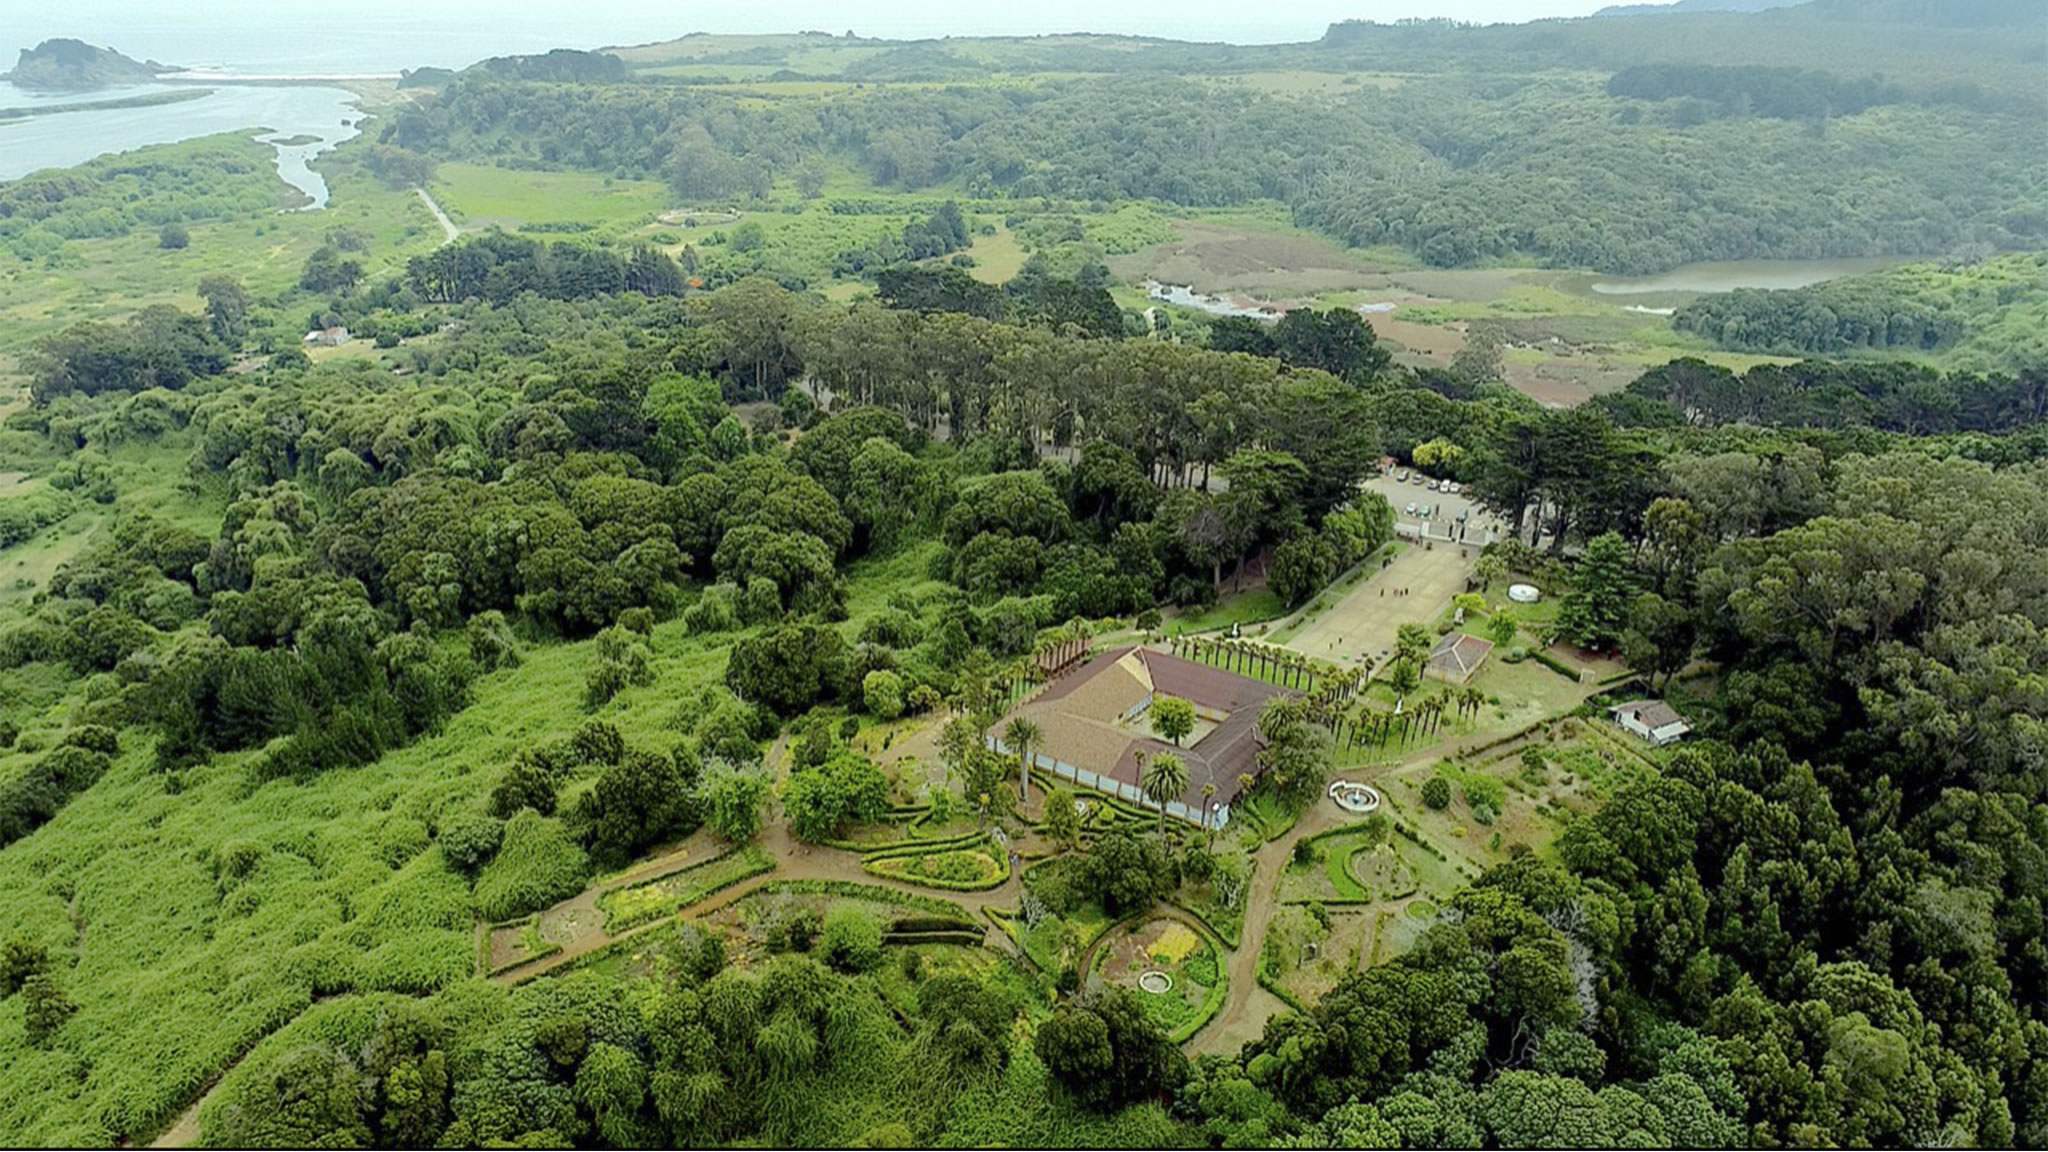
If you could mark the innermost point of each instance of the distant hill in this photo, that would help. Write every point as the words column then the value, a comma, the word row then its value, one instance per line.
column 1693, row 6
column 74, row 66
column 559, row 66
column 1939, row 13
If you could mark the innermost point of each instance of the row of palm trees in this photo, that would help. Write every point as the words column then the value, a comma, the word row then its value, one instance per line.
column 1283, row 666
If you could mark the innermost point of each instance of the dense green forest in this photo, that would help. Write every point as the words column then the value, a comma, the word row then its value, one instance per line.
column 1653, row 166
column 592, row 705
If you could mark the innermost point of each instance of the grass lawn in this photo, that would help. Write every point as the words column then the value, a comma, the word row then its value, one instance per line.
column 627, row 907
column 477, row 194
column 1252, row 606
column 997, row 258
column 1264, row 814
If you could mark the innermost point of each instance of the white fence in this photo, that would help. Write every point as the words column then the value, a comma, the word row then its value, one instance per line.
column 1114, row 787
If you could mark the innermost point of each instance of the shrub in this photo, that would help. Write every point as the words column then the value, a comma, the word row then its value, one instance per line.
column 715, row 611
column 45, row 1008
column 537, row 864
column 526, row 784
column 882, row 691
column 792, row 929
column 491, row 645
column 20, row 960
column 598, row 742
column 852, row 940
column 94, row 738
column 1436, row 792
column 1485, row 796
column 732, row 802
column 469, row 841
column 173, row 236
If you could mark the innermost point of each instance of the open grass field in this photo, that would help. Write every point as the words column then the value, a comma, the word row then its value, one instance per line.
column 478, row 196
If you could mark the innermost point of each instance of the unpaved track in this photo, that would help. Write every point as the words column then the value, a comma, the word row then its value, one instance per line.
column 448, row 229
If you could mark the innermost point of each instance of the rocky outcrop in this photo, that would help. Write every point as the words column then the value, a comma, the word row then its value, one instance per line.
column 75, row 66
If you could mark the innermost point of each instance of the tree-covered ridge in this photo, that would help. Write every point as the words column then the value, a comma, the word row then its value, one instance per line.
column 1983, row 315
column 1537, row 171
column 1924, row 45
column 1782, row 93
column 1457, row 170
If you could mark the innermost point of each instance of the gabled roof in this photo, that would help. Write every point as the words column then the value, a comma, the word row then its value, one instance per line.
column 1651, row 714
column 1459, row 655
column 1081, row 715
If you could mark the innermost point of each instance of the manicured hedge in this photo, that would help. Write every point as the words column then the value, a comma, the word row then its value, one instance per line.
column 1554, row 664
column 855, row 890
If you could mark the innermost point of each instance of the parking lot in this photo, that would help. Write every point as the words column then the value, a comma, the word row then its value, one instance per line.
column 1478, row 527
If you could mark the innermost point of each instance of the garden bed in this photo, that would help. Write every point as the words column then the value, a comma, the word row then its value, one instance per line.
column 626, row 908
column 1167, row 952
column 964, row 869
column 518, row 943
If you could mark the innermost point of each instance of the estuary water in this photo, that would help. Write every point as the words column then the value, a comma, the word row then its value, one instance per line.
column 1728, row 275
column 62, row 139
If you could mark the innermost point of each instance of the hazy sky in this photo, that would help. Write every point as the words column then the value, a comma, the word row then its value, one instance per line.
column 204, row 31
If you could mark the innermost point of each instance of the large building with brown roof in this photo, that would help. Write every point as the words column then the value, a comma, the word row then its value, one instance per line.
column 1094, row 726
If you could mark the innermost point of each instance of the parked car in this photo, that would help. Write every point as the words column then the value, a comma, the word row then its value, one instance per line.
column 1434, row 486
column 1426, row 510
column 1402, row 478
column 1411, row 508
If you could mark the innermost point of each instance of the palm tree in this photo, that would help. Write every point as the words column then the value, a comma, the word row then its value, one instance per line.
column 1412, row 643
column 1021, row 737
column 1472, row 700
column 1165, row 778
